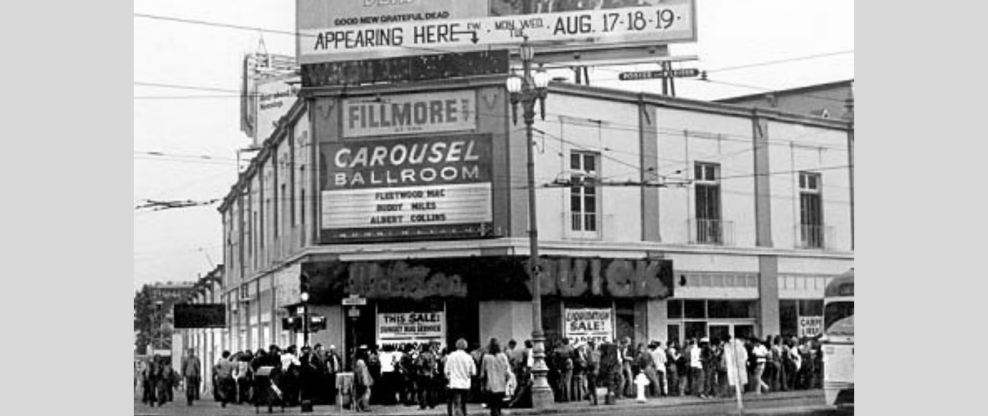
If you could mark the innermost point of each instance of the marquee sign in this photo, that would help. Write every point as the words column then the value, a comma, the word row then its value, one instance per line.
column 411, row 113
column 408, row 187
column 422, row 27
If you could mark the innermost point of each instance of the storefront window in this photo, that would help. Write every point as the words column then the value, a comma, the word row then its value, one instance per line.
column 811, row 307
column 729, row 309
column 695, row 309
column 788, row 319
column 675, row 309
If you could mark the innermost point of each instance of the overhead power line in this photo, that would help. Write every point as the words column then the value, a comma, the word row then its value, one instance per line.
column 780, row 61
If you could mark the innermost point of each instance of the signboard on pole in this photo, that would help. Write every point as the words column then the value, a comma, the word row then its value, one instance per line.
column 372, row 29
column 410, row 328
column 585, row 325
column 675, row 73
column 354, row 301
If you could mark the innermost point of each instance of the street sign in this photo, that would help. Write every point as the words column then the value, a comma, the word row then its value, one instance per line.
column 354, row 301
column 353, row 313
column 675, row 73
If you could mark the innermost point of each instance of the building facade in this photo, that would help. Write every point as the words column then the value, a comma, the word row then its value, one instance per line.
column 828, row 100
column 402, row 210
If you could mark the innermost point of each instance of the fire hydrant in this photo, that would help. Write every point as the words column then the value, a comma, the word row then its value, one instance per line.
column 641, row 381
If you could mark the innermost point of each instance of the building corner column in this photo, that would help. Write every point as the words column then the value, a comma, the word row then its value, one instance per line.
column 768, row 295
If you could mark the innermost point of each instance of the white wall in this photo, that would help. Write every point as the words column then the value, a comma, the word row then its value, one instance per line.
column 575, row 123
column 815, row 149
column 685, row 137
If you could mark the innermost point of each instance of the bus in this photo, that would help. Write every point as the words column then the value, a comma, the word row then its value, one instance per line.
column 838, row 340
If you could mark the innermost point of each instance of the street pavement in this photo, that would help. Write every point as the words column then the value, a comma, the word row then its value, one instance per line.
column 802, row 403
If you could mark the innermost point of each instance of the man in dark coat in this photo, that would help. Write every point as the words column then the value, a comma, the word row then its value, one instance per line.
column 191, row 370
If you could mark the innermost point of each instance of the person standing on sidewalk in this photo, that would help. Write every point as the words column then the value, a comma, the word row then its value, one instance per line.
column 672, row 367
column 362, row 381
column 761, row 357
column 736, row 357
column 149, row 380
column 459, row 369
column 708, row 360
column 646, row 365
column 659, row 358
column 627, row 374
column 224, row 379
column 696, row 369
column 593, row 371
column 495, row 373
column 564, row 364
column 578, row 389
column 426, row 368
column 191, row 371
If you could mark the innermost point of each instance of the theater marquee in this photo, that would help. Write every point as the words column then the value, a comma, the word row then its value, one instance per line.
column 407, row 188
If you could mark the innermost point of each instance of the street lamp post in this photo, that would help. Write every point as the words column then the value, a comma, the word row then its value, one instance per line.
column 305, row 318
column 528, row 90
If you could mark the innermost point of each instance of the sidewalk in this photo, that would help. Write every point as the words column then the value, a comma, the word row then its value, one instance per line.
column 211, row 408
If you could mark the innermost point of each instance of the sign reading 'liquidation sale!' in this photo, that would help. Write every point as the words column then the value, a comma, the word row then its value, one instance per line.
column 407, row 187
column 585, row 325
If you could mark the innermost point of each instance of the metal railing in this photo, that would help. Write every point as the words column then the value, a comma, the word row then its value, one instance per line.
column 711, row 232
column 814, row 236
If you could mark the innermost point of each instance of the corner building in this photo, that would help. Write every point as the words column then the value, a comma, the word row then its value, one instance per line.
column 404, row 210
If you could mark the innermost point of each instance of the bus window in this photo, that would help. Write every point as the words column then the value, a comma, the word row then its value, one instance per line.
column 836, row 311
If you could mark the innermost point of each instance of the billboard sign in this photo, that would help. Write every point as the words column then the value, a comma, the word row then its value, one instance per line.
column 411, row 113
column 200, row 316
column 585, row 325
column 407, row 187
column 410, row 328
column 269, row 89
column 330, row 36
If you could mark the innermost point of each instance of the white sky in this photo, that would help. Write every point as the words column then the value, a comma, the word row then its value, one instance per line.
column 180, row 244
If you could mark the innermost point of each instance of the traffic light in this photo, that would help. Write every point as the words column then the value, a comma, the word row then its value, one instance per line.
column 293, row 323
column 316, row 323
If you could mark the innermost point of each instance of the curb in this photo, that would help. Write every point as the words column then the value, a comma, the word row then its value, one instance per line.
column 557, row 409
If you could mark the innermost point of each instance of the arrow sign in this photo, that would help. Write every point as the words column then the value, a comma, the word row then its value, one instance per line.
column 675, row 73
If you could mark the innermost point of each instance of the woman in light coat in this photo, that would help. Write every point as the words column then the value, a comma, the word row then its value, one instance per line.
column 495, row 373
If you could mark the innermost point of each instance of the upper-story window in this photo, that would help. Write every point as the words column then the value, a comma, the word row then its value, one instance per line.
column 811, row 210
column 584, row 201
column 708, row 226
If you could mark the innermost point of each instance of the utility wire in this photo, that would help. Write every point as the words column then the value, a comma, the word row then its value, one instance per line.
column 780, row 61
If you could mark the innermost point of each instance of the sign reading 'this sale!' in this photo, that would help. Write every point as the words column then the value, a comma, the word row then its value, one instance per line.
column 410, row 187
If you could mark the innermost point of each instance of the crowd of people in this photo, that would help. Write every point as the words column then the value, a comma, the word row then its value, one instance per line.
column 699, row 368
column 425, row 375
